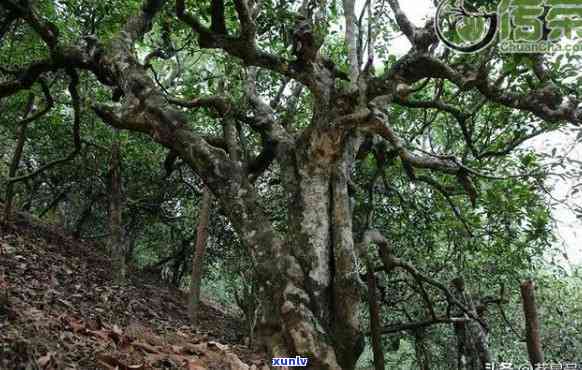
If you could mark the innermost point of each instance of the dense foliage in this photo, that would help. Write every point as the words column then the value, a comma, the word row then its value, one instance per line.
column 465, row 197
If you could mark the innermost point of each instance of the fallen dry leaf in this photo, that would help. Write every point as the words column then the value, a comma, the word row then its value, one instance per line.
column 235, row 362
column 47, row 361
column 221, row 347
column 196, row 365
column 146, row 347
column 101, row 334
column 62, row 303
column 110, row 362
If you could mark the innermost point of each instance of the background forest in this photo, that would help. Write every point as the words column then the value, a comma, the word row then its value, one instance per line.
column 117, row 119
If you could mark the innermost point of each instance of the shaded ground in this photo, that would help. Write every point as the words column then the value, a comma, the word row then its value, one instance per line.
column 59, row 310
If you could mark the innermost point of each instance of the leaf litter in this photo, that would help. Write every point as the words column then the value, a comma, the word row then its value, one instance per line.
column 60, row 310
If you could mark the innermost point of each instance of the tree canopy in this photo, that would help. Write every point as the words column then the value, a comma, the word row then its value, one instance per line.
column 360, row 198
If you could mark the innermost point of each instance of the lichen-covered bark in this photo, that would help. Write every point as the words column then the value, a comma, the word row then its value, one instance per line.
column 308, row 282
column 347, row 287
column 320, row 292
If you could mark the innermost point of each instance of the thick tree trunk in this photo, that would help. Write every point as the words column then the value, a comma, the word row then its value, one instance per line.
column 116, row 248
column 312, row 310
column 532, row 325
column 198, row 257
column 308, row 280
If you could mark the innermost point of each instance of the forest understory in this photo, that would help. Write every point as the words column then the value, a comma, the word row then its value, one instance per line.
column 60, row 310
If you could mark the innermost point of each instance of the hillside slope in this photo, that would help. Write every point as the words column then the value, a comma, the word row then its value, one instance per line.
column 60, row 310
